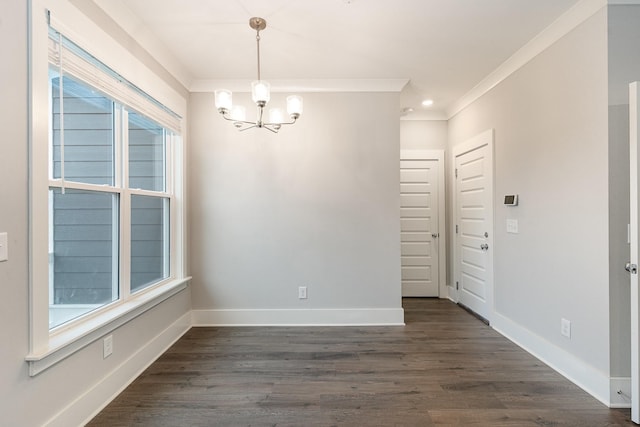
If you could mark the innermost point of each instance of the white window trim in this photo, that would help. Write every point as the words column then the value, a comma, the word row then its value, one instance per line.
column 50, row 347
column 66, row 342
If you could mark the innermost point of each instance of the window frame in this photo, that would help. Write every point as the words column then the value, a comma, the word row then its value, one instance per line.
column 50, row 346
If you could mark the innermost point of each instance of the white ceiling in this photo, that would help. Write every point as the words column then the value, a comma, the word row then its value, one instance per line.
column 442, row 47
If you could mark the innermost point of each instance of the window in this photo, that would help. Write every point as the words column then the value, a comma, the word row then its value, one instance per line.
column 110, row 186
column 106, row 187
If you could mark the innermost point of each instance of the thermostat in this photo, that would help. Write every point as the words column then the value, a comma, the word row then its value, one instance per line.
column 511, row 200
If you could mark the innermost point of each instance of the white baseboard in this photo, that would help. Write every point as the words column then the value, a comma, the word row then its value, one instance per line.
column 299, row 317
column 620, row 392
column 585, row 376
column 89, row 404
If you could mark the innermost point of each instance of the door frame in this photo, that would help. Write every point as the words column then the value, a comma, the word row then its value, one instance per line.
column 437, row 155
column 471, row 144
column 634, row 234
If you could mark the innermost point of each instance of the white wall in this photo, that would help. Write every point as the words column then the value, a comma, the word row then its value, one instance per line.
column 423, row 134
column 69, row 392
column 316, row 205
column 551, row 148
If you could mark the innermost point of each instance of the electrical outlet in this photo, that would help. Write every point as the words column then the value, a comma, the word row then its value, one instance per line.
column 302, row 292
column 107, row 346
column 565, row 328
column 4, row 247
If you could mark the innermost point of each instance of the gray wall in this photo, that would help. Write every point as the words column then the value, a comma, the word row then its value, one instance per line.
column 24, row 400
column 316, row 205
column 551, row 133
column 624, row 68
column 14, row 330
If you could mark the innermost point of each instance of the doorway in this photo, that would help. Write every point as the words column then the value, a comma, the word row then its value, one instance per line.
column 422, row 223
column 473, row 224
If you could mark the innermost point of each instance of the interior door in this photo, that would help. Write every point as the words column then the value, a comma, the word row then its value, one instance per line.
column 419, row 227
column 634, row 119
column 474, row 226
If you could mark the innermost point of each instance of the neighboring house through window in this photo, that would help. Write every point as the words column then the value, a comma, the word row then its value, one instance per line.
column 95, row 196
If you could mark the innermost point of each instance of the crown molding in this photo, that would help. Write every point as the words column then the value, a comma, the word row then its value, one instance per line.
column 305, row 85
column 554, row 32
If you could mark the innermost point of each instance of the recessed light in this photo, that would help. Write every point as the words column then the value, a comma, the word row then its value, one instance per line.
column 427, row 102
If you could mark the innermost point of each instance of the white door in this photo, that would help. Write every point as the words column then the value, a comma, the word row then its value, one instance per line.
column 419, row 227
column 634, row 119
column 474, row 225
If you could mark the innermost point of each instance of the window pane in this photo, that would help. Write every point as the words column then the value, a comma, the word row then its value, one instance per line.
column 83, row 253
column 146, row 154
column 149, row 241
column 88, row 133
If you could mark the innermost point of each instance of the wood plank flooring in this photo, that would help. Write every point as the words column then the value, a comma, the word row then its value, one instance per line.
column 445, row 367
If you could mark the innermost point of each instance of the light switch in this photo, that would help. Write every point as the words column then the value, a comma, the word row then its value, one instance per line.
column 512, row 226
column 4, row 247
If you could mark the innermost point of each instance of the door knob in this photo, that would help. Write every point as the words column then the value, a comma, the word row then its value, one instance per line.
column 435, row 235
column 631, row 268
column 484, row 246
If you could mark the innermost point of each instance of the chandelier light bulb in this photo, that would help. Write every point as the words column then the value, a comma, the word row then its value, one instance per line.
column 238, row 113
column 260, row 92
column 276, row 115
column 223, row 99
column 294, row 106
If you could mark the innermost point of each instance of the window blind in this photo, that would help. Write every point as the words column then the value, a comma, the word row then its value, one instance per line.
column 82, row 65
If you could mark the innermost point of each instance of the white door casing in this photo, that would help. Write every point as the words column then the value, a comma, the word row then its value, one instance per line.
column 473, row 224
column 422, row 223
column 634, row 229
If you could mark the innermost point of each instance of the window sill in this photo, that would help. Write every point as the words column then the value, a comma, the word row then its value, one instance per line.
column 67, row 342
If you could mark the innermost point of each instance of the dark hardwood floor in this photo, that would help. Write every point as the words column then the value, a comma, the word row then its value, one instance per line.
column 445, row 367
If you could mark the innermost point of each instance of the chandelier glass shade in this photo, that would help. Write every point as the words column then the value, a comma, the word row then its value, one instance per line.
column 260, row 94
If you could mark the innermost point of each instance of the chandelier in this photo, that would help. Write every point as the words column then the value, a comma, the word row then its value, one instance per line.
column 260, row 93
